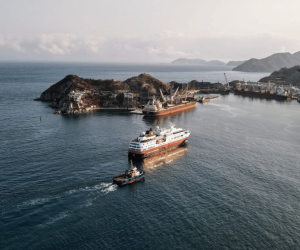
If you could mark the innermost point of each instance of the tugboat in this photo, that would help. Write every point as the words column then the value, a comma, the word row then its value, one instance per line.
column 131, row 175
column 203, row 99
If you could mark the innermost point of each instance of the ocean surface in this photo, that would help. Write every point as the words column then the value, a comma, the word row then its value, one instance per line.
column 235, row 186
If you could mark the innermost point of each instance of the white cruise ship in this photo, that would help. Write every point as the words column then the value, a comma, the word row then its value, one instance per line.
column 155, row 142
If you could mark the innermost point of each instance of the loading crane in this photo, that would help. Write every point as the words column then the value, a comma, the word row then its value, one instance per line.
column 226, row 81
column 162, row 95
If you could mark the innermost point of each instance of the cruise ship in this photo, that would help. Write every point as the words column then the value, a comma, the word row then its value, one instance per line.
column 155, row 142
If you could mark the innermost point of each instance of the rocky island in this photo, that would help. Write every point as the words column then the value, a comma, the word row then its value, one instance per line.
column 75, row 95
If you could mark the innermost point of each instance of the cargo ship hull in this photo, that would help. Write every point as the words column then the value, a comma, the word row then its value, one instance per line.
column 170, row 110
column 132, row 154
column 261, row 95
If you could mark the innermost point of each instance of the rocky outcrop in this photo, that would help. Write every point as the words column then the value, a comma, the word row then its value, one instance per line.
column 285, row 76
column 146, row 83
column 271, row 63
column 74, row 83
column 197, row 62
column 74, row 94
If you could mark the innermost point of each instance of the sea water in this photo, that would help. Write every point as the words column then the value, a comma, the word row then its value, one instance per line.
column 235, row 186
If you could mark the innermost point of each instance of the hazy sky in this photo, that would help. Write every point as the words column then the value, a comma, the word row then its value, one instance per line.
column 147, row 30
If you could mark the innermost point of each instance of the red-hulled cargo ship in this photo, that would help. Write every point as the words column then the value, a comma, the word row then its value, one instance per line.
column 160, row 140
column 155, row 108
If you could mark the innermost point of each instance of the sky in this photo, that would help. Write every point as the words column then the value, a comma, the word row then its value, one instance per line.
column 147, row 31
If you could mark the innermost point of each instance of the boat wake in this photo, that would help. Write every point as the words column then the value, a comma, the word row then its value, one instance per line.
column 107, row 187
column 54, row 219
column 104, row 187
column 34, row 202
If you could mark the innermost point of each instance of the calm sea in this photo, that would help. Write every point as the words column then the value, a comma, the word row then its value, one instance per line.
column 235, row 186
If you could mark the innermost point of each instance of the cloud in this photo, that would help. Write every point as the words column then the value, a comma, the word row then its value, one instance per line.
column 52, row 49
column 161, row 47
column 57, row 44
column 11, row 44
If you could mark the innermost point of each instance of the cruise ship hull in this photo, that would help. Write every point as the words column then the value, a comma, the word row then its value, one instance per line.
column 170, row 110
column 132, row 154
column 261, row 95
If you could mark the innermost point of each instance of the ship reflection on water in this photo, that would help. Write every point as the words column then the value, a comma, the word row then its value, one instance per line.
column 164, row 158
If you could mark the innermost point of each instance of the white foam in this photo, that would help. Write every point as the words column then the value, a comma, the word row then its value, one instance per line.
column 37, row 201
column 110, row 188
column 104, row 187
column 105, row 184
column 72, row 191
column 89, row 203
column 52, row 220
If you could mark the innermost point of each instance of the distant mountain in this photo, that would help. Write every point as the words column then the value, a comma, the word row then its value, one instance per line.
column 197, row 62
column 215, row 62
column 285, row 76
column 271, row 63
column 297, row 55
column 189, row 61
column 235, row 63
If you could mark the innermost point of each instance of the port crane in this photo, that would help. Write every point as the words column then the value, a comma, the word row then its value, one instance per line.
column 171, row 96
column 226, row 81
column 162, row 95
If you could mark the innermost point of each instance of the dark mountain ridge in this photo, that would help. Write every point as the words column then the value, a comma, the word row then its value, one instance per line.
column 270, row 63
column 285, row 76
